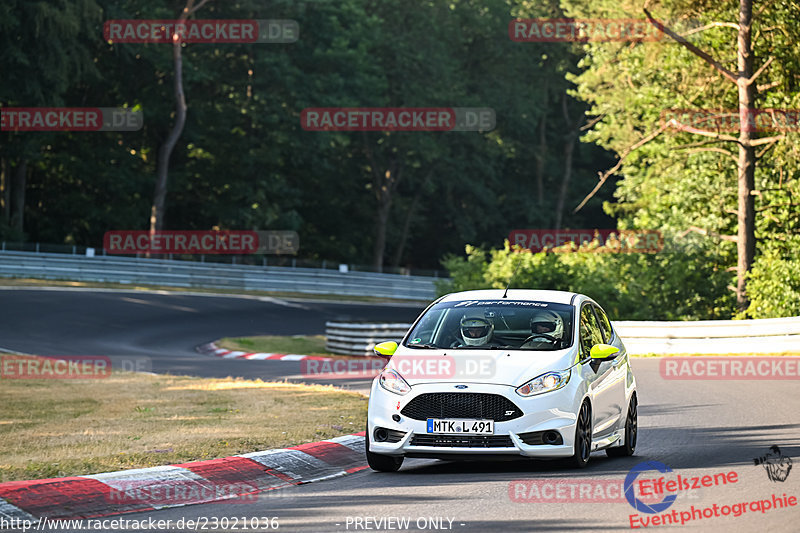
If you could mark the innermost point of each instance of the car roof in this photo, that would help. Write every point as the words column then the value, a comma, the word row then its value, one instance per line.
column 559, row 297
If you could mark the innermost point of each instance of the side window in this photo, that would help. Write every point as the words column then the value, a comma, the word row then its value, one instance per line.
column 605, row 324
column 426, row 328
column 590, row 330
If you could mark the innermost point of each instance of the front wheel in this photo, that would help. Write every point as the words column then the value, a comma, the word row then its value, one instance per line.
column 382, row 463
column 631, row 429
column 583, row 438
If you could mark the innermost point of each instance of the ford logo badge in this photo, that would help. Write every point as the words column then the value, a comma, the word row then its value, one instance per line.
column 461, row 386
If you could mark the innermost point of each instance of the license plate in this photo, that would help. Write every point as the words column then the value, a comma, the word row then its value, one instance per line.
column 460, row 426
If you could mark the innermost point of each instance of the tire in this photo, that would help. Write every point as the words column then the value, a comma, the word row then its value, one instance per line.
column 631, row 431
column 382, row 463
column 583, row 438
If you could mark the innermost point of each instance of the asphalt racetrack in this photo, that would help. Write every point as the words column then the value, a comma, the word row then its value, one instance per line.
column 160, row 332
column 695, row 427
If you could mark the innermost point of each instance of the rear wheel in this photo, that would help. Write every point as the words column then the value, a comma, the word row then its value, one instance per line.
column 631, row 429
column 382, row 463
column 583, row 438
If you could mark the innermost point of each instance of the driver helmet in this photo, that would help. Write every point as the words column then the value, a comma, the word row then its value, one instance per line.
column 547, row 322
column 476, row 331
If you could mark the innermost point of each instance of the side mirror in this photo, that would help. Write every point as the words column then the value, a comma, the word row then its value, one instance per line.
column 603, row 352
column 385, row 349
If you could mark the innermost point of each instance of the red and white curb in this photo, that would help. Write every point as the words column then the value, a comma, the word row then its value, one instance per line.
column 147, row 489
column 212, row 349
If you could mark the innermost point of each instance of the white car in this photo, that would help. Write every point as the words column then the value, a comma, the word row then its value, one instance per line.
column 504, row 373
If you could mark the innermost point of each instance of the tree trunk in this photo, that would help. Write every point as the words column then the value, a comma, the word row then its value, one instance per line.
column 746, row 238
column 381, row 221
column 541, row 152
column 569, row 150
column 18, row 196
column 385, row 185
column 165, row 151
column 398, row 254
column 570, row 138
column 540, row 160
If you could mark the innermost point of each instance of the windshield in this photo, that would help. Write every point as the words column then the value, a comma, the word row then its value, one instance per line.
column 494, row 324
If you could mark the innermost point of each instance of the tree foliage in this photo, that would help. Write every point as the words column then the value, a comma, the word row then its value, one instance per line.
column 682, row 284
column 678, row 182
column 243, row 160
column 410, row 199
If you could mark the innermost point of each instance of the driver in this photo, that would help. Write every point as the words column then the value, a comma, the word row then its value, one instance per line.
column 475, row 331
column 547, row 327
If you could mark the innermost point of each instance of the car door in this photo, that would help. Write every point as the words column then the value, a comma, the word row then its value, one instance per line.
column 619, row 367
column 599, row 376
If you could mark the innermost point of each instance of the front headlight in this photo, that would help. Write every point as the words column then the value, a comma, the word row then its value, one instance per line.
column 545, row 383
column 392, row 381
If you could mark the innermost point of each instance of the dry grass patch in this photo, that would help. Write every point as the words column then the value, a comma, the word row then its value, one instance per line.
column 54, row 428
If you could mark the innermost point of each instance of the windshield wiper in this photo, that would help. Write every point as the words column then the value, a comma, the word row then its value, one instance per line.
column 428, row 346
column 484, row 347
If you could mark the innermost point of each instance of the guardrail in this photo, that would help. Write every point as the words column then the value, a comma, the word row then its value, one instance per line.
column 353, row 338
column 774, row 335
column 770, row 335
column 230, row 259
column 187, row 274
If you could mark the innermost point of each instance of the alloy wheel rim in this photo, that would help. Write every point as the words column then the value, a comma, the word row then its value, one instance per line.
column 632, row 423
column 584, row 432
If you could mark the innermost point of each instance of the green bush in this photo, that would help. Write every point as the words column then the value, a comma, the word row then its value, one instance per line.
column 688, row 284
column 773, row 284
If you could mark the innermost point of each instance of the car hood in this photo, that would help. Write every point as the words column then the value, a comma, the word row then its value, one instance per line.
column 498, row 367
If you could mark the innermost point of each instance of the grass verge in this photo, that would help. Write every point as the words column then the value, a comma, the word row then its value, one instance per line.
column 59, row 427
column 300, row 344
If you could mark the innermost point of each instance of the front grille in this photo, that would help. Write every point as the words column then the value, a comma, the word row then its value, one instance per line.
column 461, row 405
column 463, row 441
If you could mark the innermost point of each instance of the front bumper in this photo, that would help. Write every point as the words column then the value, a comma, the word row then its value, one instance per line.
column 554, row 410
